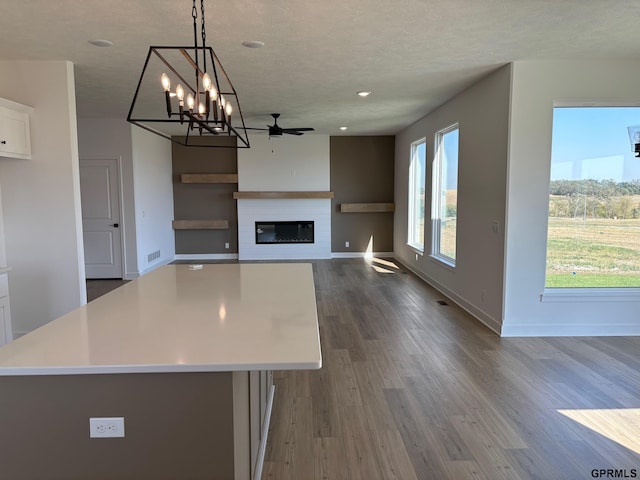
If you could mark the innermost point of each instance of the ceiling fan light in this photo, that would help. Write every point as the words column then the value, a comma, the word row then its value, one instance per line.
column 364, row 94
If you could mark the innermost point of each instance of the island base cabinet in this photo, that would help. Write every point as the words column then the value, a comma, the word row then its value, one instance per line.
column 253, row 399
column 196, row 425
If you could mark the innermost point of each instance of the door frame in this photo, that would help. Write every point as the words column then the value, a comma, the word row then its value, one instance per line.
column 120, row 187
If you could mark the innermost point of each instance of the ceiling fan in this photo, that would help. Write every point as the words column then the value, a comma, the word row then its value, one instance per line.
column 276, row 130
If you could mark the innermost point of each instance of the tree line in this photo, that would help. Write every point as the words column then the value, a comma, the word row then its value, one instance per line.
column 594, row 199
column 595, row 188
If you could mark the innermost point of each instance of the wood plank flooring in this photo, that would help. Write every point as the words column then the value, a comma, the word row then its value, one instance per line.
column 411, row 389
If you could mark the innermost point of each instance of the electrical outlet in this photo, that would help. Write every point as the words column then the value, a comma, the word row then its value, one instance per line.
column 226, row 245
column 106, row 427
column 346, row 244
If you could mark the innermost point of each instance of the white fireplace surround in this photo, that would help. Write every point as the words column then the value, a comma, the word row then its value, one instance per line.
column 251, row 211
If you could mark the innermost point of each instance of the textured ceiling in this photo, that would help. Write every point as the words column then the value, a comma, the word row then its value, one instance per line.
column 412, row 54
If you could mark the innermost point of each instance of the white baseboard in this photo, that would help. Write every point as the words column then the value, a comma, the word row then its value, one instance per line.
column 472, row 310
column 206, row 256
column 555, row 330
column 361, row 254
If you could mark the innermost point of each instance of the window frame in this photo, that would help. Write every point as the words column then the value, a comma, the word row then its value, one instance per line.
column 436, row 195
column 411, row 213
column 586, row 293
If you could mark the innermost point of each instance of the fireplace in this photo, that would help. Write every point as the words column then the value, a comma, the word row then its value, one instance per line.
column 284, row 232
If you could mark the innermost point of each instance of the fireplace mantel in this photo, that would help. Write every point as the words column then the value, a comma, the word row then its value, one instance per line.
column 269, row 195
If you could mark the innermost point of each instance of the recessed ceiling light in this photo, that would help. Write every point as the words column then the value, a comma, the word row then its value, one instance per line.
column 364, row 94
column 343, row 128
column 253, row 44
column 101, row 43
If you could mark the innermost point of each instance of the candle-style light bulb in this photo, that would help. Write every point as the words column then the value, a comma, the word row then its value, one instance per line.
column 180, row 94
column 190, row 102
column 228, row 109
column 166, row 83
column 206, row 81
column 201, row 108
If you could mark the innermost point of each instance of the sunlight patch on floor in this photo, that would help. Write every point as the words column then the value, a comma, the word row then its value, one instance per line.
column 622, row 425
column 381, row 265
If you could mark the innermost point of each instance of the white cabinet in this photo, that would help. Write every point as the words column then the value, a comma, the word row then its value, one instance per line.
column 6, row 334
column 15, row 140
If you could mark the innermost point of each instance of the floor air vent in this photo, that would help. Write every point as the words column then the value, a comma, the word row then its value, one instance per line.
column 152, row 256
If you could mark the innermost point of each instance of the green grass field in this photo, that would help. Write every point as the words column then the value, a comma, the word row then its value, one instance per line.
column 593, row 253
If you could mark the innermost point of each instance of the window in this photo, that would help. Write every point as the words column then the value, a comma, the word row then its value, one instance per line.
column 593, row 239
column 444, row 202
column 417, row 169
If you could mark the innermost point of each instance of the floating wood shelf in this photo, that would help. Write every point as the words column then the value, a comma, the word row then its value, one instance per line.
column 367, row 207
column 238, row 195
column 200, row 224
column 209, row 178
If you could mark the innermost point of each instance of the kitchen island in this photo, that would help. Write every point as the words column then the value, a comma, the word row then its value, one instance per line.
column 183, row 354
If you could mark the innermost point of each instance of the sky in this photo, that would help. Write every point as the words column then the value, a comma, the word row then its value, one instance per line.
column 593, row 142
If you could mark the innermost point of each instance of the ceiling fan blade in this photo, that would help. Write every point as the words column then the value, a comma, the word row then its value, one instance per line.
column 292, row 132
column 298, row 130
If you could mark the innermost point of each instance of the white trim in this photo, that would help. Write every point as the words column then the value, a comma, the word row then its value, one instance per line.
column 439, row 158
column 265, row 434
column 411, row 213
column 480, row 315
column 602, row 330
column 361, row 254
column 443, row 261
column 590, row 295
column 156, row 264
column 206, row 256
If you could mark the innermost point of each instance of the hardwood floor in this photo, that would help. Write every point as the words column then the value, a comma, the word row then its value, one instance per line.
column 411, row 389
column 98, row 287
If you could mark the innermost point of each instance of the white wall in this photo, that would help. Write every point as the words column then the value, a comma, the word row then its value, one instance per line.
column 153, row 198
column 146, row 186
column 289, row 163
column 482, row 112
column 536, row 86
column 41, row 198
column 111, row 138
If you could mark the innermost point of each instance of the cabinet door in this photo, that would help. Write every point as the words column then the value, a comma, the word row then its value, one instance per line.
column 14, row 134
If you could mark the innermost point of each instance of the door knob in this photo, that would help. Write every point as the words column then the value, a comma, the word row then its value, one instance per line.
column 115, row 225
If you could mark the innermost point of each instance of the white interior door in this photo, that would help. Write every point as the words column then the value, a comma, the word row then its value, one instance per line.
column 99, row 180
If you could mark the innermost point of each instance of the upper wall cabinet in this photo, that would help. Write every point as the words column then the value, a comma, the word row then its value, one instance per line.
column 15, row 141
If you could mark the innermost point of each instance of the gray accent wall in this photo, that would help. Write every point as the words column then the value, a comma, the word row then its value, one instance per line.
column 177, row 425
column 205, row 201
column 362, row 171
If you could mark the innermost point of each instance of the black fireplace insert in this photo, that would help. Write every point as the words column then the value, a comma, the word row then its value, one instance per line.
column 284, row 232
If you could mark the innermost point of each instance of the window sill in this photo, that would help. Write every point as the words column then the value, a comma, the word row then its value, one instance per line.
column 416, row 249
column 444, row 262
column 590, row 295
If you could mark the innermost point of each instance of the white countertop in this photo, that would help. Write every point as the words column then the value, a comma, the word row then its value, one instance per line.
column 224, row 317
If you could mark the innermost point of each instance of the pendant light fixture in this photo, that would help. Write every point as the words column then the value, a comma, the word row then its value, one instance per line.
column 199, row 99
